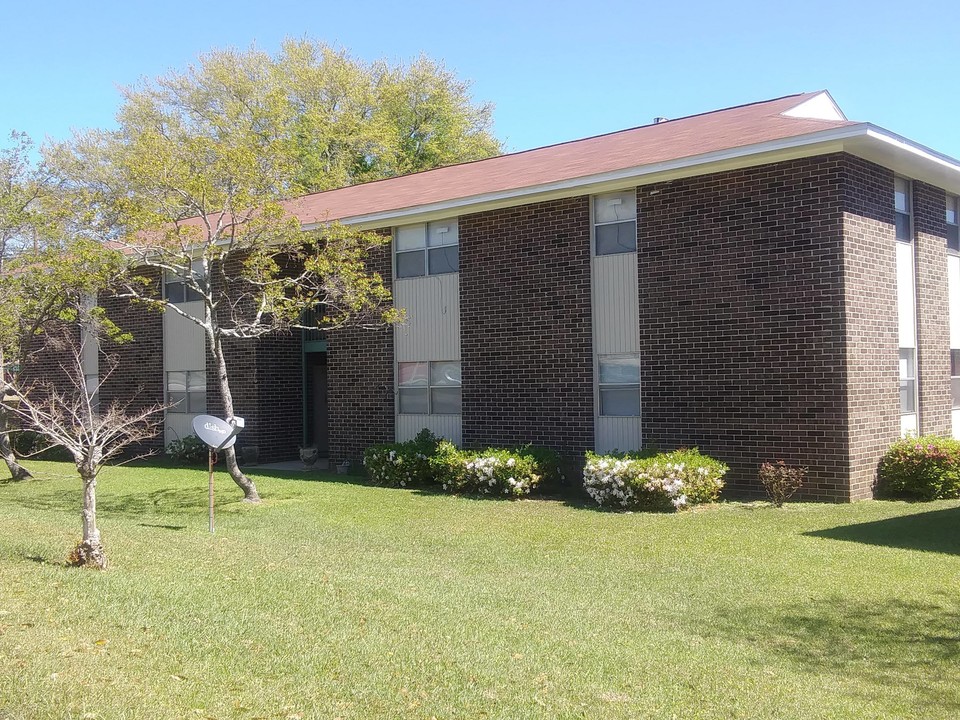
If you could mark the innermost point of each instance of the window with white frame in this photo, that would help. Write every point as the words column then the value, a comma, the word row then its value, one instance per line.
column 902, row 206
column 908, row 381
column 177, row 291
column 955, row 378
column 429, row 388
column 427, row 249
column 615, row 223
column 953, row 223
column 187, row 391
column 619, row 384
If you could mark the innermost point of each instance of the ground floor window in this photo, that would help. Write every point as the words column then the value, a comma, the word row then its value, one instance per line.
column 429, row 388
column 187, row 391
column 619, row 377
column 955, row 378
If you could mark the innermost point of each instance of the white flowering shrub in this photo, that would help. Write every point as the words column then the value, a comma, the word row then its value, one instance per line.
column 641, row 481
column 494, row 471
column 402, row 464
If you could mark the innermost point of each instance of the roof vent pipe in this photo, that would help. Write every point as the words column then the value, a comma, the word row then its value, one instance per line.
column 658, row 120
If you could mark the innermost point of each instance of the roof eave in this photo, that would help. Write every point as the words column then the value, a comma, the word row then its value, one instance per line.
column 861, row 139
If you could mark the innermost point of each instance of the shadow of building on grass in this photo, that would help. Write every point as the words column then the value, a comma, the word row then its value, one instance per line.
column 933, row 531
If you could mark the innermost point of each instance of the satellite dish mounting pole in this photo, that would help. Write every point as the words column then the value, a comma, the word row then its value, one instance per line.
column 218, row 435
column 211, row 454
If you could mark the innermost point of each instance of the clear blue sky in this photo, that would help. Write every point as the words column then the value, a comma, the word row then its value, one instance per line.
column 555, row 70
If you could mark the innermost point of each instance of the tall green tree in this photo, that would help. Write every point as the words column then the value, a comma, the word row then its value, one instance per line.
column 354, row 122
column 30, row 225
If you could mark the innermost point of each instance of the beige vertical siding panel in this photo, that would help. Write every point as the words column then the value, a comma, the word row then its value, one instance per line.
column 616, row 310
column 616, row 323
column 618, row 433
column 430, row 332
column 177, row 426
column 432, row 328
column 445, row 426
column 90, row 359
column 184, row 344
column 184, row 348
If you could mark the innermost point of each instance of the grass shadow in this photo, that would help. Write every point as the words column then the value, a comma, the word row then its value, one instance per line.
column 894, row 645
column 934, row 531
column 190, row 500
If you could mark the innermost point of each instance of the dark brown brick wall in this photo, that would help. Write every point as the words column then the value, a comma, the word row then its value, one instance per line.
column 525, row 326
column 360, row 391
column 870, row 297
column 741, row 319
column 933, row 309
column 138, row 376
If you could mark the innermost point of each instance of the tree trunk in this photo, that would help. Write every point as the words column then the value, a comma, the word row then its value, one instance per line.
column 250, row 493
column 17, row 471
column 89, row 552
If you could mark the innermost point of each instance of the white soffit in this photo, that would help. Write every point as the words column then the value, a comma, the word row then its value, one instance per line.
column 819, row 107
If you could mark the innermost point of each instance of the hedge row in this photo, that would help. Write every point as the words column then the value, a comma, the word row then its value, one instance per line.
column 428, row 461
column 664, row 481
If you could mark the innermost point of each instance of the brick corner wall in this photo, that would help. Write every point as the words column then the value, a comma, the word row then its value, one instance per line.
column 742, row 320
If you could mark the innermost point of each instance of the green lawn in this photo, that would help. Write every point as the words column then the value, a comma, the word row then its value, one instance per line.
column 340, row 600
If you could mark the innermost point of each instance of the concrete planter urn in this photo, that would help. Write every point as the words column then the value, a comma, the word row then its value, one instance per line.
column 309, row 455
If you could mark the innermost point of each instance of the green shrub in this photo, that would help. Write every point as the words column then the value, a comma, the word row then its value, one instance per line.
column 429, row 460
column 190, row 450
column 923, row 468
column 494, row 471
column 644, row 481
column 781, row 480
column 402, row 464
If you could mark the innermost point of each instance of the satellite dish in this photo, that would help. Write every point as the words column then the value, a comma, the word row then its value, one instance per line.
column 217, row 433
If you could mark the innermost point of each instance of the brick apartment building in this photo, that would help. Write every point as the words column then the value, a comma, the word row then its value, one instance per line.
column 766, row 281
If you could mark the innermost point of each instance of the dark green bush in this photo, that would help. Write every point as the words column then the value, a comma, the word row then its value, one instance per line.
column 923, row 468
column 426, row 460
column 402, row 464
column 190, row 450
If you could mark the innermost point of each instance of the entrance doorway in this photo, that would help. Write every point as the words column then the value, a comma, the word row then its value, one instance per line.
column 315, row 427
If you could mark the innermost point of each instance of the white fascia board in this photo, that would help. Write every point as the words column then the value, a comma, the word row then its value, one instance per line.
column 912, row 159
column 818, row 143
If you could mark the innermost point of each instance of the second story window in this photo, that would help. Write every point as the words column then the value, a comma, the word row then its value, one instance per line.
column 427, row 249
column 953, row 223
column 901, row 201
column 176, row 291
column 615, row 223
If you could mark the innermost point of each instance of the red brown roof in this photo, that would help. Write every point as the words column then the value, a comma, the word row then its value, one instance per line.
column 647, row 145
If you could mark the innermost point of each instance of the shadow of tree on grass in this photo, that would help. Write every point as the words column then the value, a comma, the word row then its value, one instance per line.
column 933, row 531
column 906, row 647
column 164, row 501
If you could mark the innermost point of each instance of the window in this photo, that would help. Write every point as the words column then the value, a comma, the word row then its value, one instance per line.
column 619, row 385
column 955, row 378
column 429, row 388
column 901, row 201
column 187, row 391
column 176, row 291
column 908, row 381
column 427, row 249
column 953, row 223
column 91, row 383
column 615, row 223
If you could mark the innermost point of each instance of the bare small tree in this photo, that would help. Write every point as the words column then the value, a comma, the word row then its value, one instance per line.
column 68, row 415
